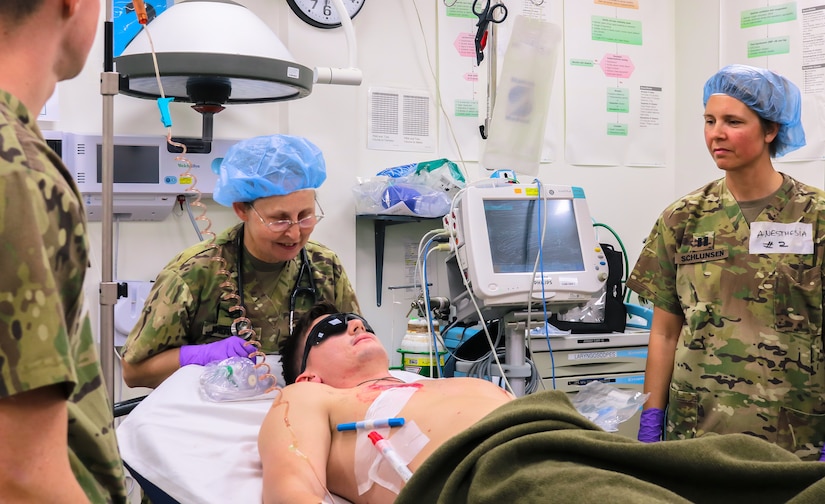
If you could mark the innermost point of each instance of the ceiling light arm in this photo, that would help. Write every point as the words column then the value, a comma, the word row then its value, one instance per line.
column 350, row 76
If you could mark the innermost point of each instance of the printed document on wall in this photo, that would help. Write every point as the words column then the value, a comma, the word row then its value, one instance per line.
column 615, row 55
column 400, row 120
column 788, row 38
column 462, row 94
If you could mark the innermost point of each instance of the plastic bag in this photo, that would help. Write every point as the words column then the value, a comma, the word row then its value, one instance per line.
column 548, row 330
column 418, row 199
column 516, row 134
column 417, row 189
column 606, row 405
column 234, row 378
column 440, row 174
column 592, row 312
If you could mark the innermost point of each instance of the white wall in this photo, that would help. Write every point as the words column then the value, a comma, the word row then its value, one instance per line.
column 697, row 58
column 392, row 53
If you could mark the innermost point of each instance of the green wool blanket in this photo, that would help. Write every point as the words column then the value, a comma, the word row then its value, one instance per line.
column 539, row 449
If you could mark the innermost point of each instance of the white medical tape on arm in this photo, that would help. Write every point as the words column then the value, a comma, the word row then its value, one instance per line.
column 370, row 466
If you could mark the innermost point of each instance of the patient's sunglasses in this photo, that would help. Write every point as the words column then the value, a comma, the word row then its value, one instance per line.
column 331, row 325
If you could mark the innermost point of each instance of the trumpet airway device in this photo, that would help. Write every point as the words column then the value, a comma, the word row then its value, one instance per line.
column 371, row 424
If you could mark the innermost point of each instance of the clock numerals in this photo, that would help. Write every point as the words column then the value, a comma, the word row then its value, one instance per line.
column 318, row 8
column 322, row 13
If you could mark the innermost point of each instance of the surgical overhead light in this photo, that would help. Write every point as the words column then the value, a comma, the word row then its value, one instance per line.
column 216, row 52
column 212, row 52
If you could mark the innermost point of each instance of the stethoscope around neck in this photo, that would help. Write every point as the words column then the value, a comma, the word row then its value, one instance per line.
column 297, row 290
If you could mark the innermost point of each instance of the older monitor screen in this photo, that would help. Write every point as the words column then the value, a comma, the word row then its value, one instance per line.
column 514, row 235
column 133, row 164
column 501, row 260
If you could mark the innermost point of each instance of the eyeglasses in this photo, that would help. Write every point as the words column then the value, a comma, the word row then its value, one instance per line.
column 279, row 226
column 331, row 325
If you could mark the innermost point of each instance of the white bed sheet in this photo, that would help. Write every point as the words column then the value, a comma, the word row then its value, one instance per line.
column 197, row 450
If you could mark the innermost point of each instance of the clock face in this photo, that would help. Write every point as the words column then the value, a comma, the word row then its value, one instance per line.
column 322, row 13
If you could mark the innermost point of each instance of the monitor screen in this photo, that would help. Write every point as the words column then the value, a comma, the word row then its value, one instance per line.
column 514, row 234
column 133, row 164
column 512, row 260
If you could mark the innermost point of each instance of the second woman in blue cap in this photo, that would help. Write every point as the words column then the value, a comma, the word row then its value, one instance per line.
column 735, row 273
column 266, row 263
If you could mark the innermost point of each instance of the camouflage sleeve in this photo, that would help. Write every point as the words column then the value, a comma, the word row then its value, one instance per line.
column 654, row 276
column 345, row 297
column 165, row 320
column 335, row 282
column 43, row 260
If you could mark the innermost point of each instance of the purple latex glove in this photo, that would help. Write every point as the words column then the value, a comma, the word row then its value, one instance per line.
column 822, row 455
column 216, row 351
column 650, row 425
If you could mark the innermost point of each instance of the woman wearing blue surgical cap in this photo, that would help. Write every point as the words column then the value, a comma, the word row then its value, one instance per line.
column 735, row 273
column 267, row 264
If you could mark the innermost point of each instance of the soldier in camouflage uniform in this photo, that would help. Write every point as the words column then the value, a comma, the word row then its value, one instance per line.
column 735, row 273
column 57, row 442
column 188, row 317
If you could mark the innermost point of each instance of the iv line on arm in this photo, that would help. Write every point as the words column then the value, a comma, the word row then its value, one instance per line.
column 293, row 445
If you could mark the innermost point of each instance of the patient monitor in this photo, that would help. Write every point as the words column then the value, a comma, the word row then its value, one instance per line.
column 520, row 245
column 147, row 173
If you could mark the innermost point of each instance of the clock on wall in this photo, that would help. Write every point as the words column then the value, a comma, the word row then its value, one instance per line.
column 322, row 13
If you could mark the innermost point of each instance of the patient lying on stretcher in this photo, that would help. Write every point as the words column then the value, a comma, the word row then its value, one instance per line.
column 533, row 447
column 339, row 374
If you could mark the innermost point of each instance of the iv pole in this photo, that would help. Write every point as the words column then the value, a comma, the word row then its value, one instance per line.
column 492, row 76
column 108, row 289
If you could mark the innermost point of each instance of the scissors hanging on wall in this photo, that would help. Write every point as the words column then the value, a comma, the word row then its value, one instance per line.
column 489, row 13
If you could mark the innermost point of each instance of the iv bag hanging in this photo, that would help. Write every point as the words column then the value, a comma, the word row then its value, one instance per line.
column 516, row 133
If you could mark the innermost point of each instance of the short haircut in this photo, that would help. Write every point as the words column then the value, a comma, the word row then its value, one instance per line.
column 292, row 349
column 18, row 10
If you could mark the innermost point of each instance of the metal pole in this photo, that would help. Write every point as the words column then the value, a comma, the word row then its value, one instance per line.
column 108, row 289
column 492, row 77
column 515, row 339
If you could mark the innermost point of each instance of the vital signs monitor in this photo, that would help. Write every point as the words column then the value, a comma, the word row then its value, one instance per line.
column 519, row 244
column 142, row 164
column 147, row 177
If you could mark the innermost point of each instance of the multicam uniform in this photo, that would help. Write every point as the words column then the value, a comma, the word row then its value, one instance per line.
column 185, row 307
column 750, row 355
column 45, row 332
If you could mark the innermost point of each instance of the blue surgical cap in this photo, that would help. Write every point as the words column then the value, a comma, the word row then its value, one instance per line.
column 265, row 166
column 770, row 95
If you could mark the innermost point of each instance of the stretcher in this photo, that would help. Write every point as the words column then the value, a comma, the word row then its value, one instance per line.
column 182, row 448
